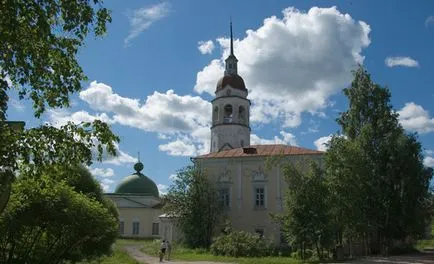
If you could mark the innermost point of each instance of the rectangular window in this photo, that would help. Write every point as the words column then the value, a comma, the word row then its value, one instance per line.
column 121, row 227
column 155, row 229
column 259, row 197
column 136, row 226
column 224, row 198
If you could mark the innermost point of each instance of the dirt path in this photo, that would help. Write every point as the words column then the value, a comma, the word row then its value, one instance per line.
column 134, row 251
column 405, row 259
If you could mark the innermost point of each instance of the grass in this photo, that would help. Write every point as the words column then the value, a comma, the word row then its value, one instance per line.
column 119, row 256
column 427, row 243
column 151, row 247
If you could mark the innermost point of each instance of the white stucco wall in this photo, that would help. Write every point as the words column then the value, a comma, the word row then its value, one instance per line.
column 237, row 131
column 242, row 175
column 137, row 209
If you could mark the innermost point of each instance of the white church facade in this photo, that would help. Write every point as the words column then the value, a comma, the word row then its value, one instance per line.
column 248, row 189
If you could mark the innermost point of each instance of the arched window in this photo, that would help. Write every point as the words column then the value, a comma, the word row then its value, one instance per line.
column 228, row 114
column 242, row 114
column 215, row 114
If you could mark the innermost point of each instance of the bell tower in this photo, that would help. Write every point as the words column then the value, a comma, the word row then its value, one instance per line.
column 230, row 108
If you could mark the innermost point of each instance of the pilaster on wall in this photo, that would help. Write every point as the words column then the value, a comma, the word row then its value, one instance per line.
column 279, row 206
column 239, row 183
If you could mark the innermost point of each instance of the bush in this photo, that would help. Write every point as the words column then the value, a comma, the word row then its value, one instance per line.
column 308, row 254
column 47, row 221
column 241, row 244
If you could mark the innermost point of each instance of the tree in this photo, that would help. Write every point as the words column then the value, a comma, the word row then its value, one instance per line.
column 50, row 221
column 375, row 169
column 38, row 48
column 305, row 220
column 193, row 201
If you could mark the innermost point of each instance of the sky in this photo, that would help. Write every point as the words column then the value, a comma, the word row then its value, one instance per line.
column 153, row 75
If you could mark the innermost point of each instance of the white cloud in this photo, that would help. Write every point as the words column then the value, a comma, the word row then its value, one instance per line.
column 59, row 117
column 428, row 162
column 162, row 189
column 413, row 117
column 294, row 63
column 429, row 21
column 206, row 47
column 321, row 143
column 17, row 105
column 401, row 61
column 122, row 158
column 429, row 152
column 161, row 112
column 181, row 120
column 173, row 177
column 101, row 172
column 143, row 18
column 179, row 147
column 105, row 187
column 286, row 139
column 107, row 181
column 106, row 184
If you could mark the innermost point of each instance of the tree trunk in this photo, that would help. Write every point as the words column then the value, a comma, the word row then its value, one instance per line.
column 318, row 252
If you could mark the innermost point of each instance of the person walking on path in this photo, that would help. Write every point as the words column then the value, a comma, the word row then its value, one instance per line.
column 168, row 249
column 163, row 248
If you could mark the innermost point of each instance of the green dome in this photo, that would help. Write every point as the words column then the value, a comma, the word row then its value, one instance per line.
column 137, row 184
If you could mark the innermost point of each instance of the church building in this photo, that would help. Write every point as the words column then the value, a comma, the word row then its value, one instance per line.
column 138, row 202
column 248, row 188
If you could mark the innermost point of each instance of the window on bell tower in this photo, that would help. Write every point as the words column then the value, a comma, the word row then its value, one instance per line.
column 216, row 114
column 242, row 114
column 227, row 114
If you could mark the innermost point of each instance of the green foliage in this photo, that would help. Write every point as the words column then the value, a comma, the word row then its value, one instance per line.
column 118, row 256
column 241, row 244
column 39, row 44
column 374, row 171
column 49, row 221
column 182, row 253
column 192, row 200
column 306, row 218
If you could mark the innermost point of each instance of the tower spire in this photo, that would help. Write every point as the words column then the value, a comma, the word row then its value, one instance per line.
column 231, row 60
column 232, row 38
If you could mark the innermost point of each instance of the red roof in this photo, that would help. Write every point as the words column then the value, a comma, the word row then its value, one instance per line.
column 235, row 81
column 261, row 151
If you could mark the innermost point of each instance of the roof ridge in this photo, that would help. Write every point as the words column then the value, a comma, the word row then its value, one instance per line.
column 263, row 150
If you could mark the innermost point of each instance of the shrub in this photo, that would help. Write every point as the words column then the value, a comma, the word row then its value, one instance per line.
column 308, row 254
column 241, row 244
column 47, row 221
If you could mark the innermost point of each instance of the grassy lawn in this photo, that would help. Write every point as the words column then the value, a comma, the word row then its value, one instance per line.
column 427, row 243
column 151, row 247
column 119, row 256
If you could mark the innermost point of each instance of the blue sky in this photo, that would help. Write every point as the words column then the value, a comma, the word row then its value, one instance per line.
column 153, row 75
